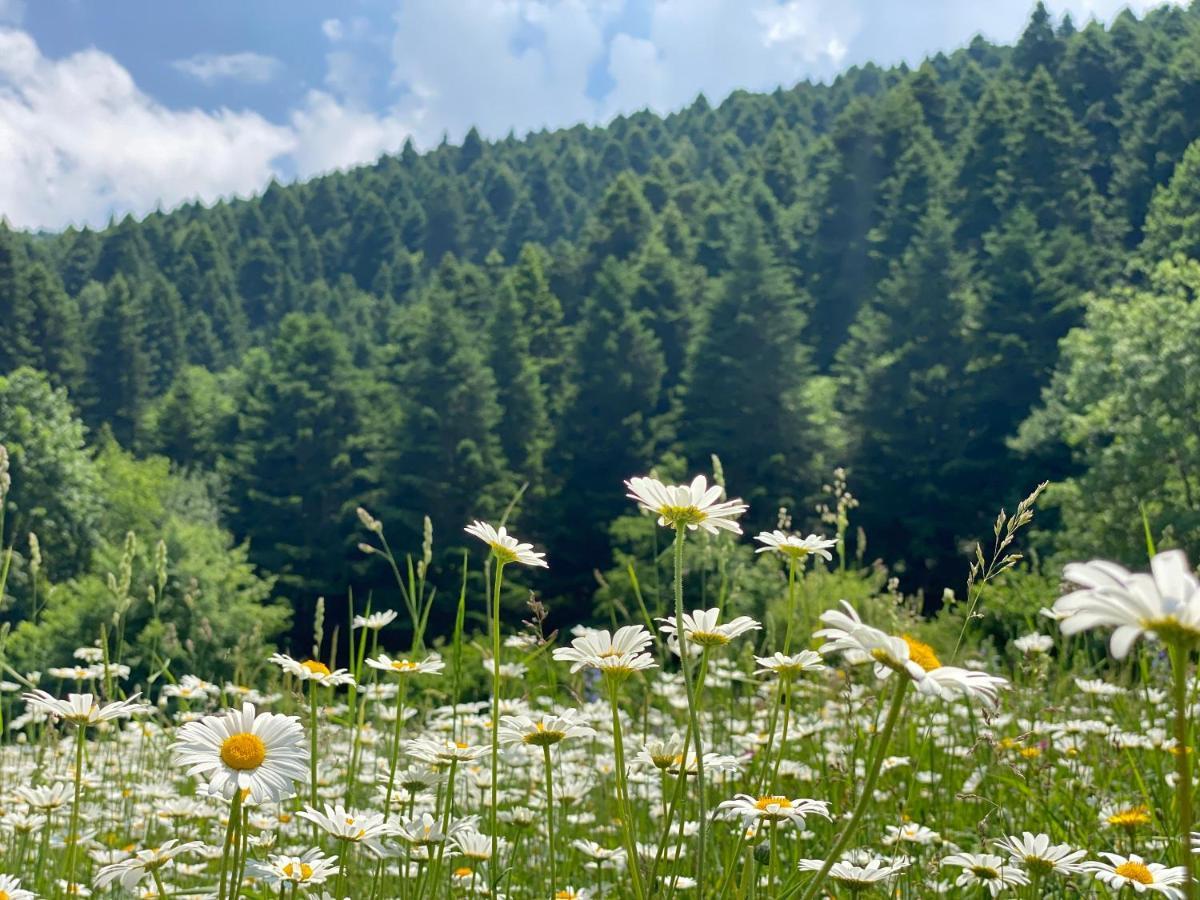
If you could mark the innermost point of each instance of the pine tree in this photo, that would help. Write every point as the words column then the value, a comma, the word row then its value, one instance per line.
column 54, row 333
column 1173, row 222
column 1038, row 45
column 749, row 363
column 119, row 365
column 17, row 312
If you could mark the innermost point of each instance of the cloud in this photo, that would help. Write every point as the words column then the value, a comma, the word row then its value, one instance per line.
column 79, row 141
column 253, row 68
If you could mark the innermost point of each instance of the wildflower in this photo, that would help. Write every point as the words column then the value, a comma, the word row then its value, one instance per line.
column 1040, row 856
column 1124, row 815
column 1034, row 644
column 82, row 709
column 376, row 620
column 543, row 732
column 312, row 670
column 312, row 868
column 793, row 664
column 347, row 825
column 794, row 546
column 1163, row 604
column 985, row 870
column 442, row 752
column 430, row 665
column 775, row 809
column 913, row 659
column 694, row 506
column 505, row 547
column 597, row 852
column 615, row 655
column 700, row 627
column 10, row 887
column 1133, row 871
column 132, row 870
column 857, row 876
column 262, row 753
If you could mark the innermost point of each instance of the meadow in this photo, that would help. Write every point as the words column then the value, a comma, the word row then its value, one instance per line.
column 834, row 743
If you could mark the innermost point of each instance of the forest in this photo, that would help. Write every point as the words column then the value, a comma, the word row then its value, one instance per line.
column 888, row 306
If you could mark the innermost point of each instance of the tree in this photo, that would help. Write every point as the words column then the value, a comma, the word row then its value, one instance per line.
column 1122, row 402
column 1173, row 222
column 1038, row 45
column 119, row 365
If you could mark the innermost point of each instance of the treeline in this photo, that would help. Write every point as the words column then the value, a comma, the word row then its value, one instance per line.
column 874, row 273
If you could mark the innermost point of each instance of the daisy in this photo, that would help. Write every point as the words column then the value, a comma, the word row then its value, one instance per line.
column 430, row 665
column 616, row 655
column 1040, row 856
column 861, row 643
column 773, row 809
column 262, row 753
column 348, row 825
column 132, row 870
column 985, row 870
column 694, row 506
column 573, row 893
column 473, row 845
column 1125, row 815
column 598, row 852
column 312, row 868
column 10, row 887
column 1135, row 872
column 1034, row 644
column 700, row 627
column 312, row 670
column 789, row 665
column 504, row 546
column 794, row 546
column 442, row 752
column 1163, row 604
column 855, row 877
column 545, row 731
column 82, row 709
column 376, row 620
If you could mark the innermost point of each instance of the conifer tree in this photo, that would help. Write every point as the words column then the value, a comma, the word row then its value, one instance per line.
column 119, row 365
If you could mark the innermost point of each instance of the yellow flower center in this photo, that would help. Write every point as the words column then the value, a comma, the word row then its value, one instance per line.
column 303, row 873
column 565, row 895
column 921, row 653
column 1135, row 871
column 543, row 737
column 1031, row 752
column 315, row 667
column 1130, row 817
column 243, row 751
column 403, row 665
column 462, row 872
column 682, row 515
column 4, row 895
column 985, row 872
column 765, row 803
column 707, row 638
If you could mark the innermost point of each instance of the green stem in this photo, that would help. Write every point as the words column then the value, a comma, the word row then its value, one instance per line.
column 495, row 861
column 235, row 813
column 401, row 691
column 1183, row 767
column 550, row 817
column 626, row 812
column 73, row 828
column 868, row 789
column 693, row 711
column 791, row 605
column 313, row 741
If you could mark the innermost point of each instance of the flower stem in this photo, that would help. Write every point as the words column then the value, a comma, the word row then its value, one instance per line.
column 550, row 817
column 313, row 740
column 235, row 815
column 495, row 861
column 1183, row 767
column 73, row 828
column 635, row 873
column 868, row 790
column 693, row 710
column 401, row 691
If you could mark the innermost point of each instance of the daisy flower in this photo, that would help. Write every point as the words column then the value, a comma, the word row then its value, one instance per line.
column 376, row 620
column 1033, row 644
column 856, row 877
column 986, row 870
column 82, row 709
column 861, row 643
column 793, row 664
column 1163, row 604
column 794, row 546
column 430, row 665
column 1133, row 871
column 695, row 506
column 771, row 808
column 10, row 887
column 504, row 546
column 312, row 670
column 544, row 731
column 616, row 655
column 700, row 627
column 312, row 868
column 347, row 825
column 1040, row 856
column 132, row 870
column 262, row 753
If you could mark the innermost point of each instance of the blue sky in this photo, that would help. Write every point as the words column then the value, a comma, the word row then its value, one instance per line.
column 129, row 105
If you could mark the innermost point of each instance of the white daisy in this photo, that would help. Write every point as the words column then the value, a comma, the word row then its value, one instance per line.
column 505, row 547
column 794, row 546
column 772, row 809
column 10, row 887
column 793, row 664
column 694, row 505
column 1133, row 871
column 613, row 654
column 312, row 670
column 985, row 870
column 1033, row 644
column 82, row 709
column 1164, row 604
column 700, row 627
column 312, row 868
column 262, row 753
column 1040, row 856
column 543, row 731
column 376, row 620
column 430, row 665
column 132, row 870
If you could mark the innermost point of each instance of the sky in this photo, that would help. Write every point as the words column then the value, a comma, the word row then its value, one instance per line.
column 125, row 106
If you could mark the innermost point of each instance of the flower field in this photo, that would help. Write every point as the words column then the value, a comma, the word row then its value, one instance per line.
column 818, row 747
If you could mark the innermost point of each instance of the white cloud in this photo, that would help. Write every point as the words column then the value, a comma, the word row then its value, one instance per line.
column 333, row 135
column 254, row 68
column 79, row 140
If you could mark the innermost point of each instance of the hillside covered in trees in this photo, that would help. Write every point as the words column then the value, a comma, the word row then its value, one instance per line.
column 874, row 273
